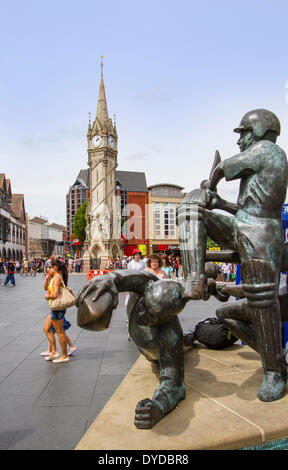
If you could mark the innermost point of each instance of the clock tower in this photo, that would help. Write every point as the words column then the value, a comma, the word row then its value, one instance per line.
column 103, row 230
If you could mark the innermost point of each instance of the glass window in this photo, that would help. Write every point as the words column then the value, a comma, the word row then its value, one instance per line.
column 157, row 219
column 169, row 219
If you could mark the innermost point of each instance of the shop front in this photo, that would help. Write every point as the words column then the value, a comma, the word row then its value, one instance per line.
column 167, row 249
column 128, row 249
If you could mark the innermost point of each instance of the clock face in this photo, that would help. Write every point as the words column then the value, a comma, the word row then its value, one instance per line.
column 96, row 141
column 111, row 141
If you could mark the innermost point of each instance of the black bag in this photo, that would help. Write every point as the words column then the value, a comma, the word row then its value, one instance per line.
column 213, row 334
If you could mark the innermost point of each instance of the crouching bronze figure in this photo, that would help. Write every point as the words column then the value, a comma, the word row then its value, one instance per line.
column 154, row 326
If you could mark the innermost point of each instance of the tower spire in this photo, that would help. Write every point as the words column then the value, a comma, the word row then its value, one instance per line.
column 89, row 126
column 102, row 57
column 102, row 110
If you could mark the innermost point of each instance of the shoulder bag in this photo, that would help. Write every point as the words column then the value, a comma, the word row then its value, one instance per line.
column 65, row 299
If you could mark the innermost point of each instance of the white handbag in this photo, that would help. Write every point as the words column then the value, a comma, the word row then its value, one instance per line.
column 65, row 299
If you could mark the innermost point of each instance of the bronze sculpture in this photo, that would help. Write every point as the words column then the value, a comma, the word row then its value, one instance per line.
column 162, row 341
column 154, row 326
column 254, row 232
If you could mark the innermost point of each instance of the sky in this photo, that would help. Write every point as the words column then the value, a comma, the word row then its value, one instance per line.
column 178, row 75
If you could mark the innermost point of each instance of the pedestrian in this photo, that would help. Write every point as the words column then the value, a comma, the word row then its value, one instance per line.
column 110, row 265
column 226, row 271
column 10, row 274
column 1, row 268
column 154, row 265
column 176, row 266
column 166, row 266
column 137, row 264
column 78, row 265
column 124, row 262
column 70, row 265
column 25, row 266
column 17, row 266
column 48, row 328
column 53, row 283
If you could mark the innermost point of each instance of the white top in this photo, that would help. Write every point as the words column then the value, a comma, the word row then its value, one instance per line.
column 139, row 265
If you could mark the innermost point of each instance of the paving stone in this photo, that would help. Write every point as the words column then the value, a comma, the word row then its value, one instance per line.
column 49, row 406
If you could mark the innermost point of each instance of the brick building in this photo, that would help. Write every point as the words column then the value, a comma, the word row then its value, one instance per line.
column 132, row 188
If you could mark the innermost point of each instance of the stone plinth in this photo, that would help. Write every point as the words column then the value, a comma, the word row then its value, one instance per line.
column 86, row 262
column 221, row 409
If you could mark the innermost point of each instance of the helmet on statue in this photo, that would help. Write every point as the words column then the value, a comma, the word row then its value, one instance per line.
column 259, row 121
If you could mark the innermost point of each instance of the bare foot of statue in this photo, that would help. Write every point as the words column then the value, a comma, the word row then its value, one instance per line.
column 147, row 413
column 165, row 399
column 273, row 386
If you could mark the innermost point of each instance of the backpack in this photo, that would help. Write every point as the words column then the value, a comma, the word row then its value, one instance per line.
column 213, row 334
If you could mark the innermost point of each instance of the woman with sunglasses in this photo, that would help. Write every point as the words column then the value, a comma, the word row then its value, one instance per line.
column 53, row 283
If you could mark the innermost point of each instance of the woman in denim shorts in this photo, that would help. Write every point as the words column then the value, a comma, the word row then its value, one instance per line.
column 53, row 283
column 49, row 327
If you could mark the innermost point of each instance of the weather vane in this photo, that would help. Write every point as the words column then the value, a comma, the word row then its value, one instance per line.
column 102, row 57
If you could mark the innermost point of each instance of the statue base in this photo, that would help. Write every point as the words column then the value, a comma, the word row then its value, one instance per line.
column 221, row 409
column 86, row 262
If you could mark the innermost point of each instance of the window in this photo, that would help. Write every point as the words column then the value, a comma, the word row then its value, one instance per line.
column 157, row 219
column 169, row 219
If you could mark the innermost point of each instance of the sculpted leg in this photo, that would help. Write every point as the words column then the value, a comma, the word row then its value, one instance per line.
column 171, row 389
column 195, row 223
column 261, row 292
column 192, row 238
column 235, row 316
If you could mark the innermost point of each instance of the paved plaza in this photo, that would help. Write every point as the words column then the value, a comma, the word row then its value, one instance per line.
column 50, row 406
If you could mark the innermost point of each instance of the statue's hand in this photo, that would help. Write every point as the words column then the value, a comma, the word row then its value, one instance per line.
column 213, row 200
column 205, row 184
column 99, row 286
column 96, row 302
column 84, row 292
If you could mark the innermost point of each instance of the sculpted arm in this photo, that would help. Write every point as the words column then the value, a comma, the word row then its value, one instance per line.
column 99, row 298
column 236, row 167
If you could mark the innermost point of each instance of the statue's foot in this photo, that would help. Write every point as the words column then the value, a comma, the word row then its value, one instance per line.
column 149, row 412
column 273, row 386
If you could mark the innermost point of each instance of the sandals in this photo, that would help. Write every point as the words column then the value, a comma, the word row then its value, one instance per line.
column 71, row 351
column 51, row 357
column 60, row 360
column 45, row 353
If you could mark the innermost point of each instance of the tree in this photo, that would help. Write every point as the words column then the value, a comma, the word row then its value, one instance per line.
column 79, row 223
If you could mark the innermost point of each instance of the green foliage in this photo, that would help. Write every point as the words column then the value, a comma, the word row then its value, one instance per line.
column 210, row 244
column 79, row 223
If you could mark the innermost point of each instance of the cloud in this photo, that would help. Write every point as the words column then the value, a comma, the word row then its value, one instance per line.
column 60, row 135
column 153, row 96
column 32, row 141
column 139, row 156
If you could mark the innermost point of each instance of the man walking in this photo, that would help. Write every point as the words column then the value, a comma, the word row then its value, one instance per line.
column 10, row 274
